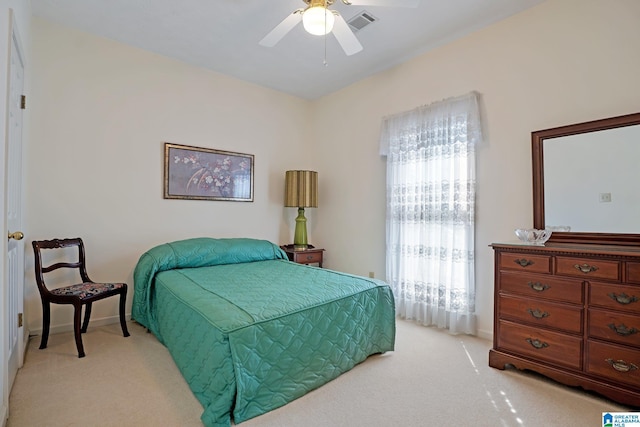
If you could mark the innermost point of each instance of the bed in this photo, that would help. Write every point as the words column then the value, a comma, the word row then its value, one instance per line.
column 251, row 331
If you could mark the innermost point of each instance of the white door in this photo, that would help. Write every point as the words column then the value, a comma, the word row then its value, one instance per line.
column 15, row 245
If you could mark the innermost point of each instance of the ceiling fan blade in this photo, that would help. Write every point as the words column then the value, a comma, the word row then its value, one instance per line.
column 345, row 36
column 389, row 3
column 281, row 29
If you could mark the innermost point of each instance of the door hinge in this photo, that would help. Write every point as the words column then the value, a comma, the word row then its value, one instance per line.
column 19, row 320
column 23, row 102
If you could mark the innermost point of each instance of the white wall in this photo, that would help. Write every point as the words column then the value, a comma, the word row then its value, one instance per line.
column 562, row 62
column 101, row 112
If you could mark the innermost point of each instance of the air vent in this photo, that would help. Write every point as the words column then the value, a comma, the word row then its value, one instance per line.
column 361, row 20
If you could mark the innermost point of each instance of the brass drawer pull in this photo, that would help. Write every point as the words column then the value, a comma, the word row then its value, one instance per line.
column 538, row 314
column 586, row 268
column 309, row 257
column 536, row 343
column 622, row 329
column 523, row 262
column 623, row 298
column 621, row 365
column 538, row 287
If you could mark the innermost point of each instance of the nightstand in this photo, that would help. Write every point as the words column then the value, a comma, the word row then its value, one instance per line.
column 310, row 255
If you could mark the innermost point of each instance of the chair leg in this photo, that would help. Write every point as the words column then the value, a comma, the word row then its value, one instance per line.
column 77, row 316
column 46, row 319
column 123, row 322
column 87, row 315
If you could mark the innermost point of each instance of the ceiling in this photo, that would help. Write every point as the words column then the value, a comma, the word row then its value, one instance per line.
column 223, row 35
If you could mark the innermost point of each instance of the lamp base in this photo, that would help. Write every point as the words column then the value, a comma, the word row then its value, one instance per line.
column 300, row 236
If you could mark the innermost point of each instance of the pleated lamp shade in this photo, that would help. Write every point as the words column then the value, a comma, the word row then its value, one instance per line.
column 301, row 189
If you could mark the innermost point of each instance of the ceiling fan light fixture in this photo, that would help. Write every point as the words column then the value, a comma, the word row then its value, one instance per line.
column 318, row 20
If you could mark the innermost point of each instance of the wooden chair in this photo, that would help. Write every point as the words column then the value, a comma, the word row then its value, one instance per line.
column 80, row 294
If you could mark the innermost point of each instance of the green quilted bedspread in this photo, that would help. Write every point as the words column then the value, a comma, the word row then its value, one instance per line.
column 251, row 331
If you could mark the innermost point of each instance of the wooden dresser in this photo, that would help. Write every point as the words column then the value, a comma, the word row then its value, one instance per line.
column 570, row 312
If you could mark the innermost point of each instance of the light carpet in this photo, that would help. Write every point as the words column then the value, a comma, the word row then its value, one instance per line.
column 431, row 379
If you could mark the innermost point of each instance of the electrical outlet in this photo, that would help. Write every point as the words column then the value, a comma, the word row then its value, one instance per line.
column 372, row 274
column 605, row 197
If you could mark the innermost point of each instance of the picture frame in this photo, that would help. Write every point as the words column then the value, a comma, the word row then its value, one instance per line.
column 197, row 173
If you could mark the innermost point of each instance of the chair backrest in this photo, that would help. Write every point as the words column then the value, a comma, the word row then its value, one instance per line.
column 39, row 245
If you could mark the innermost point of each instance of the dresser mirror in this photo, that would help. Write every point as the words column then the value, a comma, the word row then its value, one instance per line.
column 586, row 177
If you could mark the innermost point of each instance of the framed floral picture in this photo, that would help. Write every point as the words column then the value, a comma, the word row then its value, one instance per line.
column 206, row 174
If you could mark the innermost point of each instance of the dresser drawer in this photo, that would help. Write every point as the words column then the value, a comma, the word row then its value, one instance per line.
column 612, row 326
column 633, row 272
column 588, row 268
column 526, row 262
column 540, row 344
column 614, row 362
column 308, row 257
column 616, row 297
column 541, row 286
column 541, row 313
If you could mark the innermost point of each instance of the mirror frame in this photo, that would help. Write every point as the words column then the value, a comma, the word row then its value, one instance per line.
column 537, row 144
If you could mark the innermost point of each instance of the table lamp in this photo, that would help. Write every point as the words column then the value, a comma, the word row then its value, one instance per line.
column 301, row 191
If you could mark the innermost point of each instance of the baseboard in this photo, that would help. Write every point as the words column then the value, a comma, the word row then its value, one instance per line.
column 487, row 335
column 68, row 327
column 25, row 344
column 4, row 414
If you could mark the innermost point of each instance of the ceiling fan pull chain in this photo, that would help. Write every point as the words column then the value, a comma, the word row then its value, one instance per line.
column 326, row 64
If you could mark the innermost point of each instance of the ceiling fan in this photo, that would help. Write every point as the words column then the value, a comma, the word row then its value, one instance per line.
column 319, row 20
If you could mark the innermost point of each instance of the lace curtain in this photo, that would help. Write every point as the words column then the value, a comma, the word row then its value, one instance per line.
column 430, row 211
